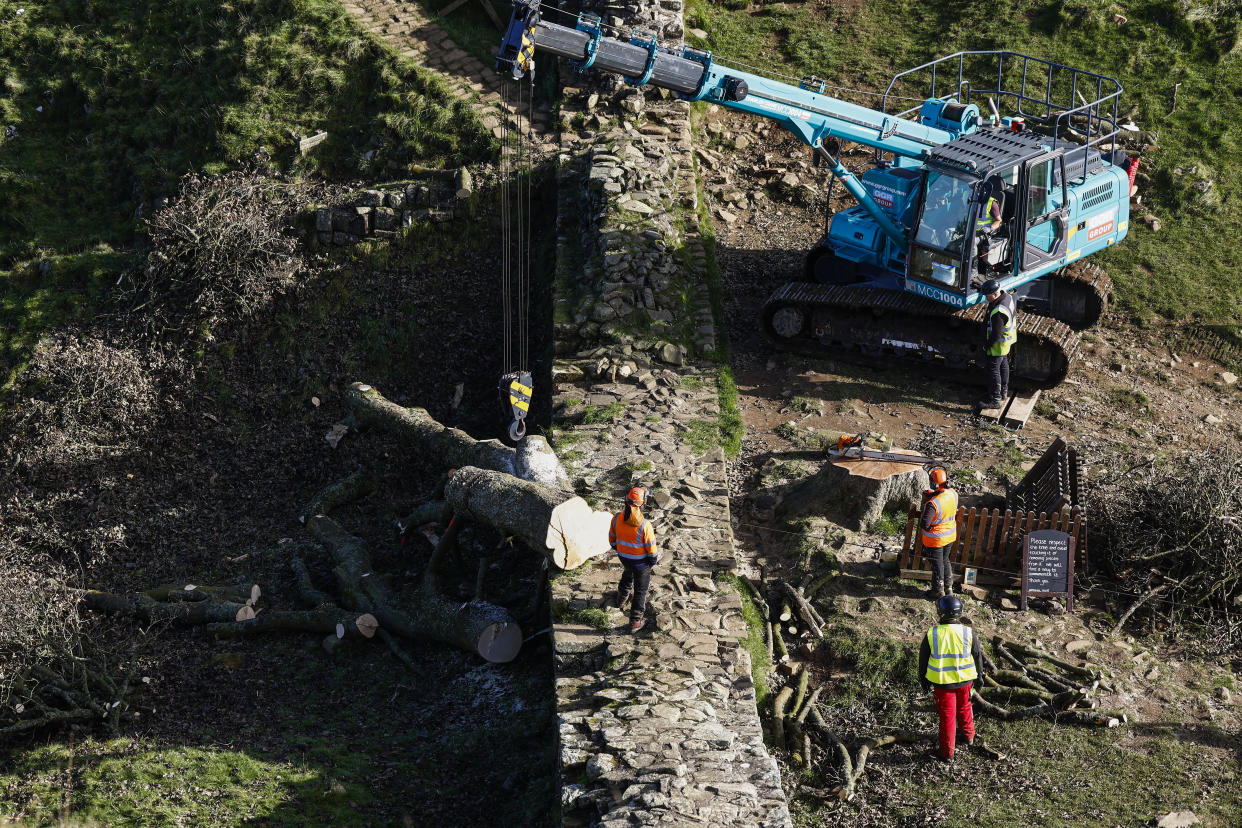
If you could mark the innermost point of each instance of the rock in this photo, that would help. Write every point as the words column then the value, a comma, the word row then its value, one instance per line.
column 1152, row 674
column 323, row 220
column 673, row 354
column 386, row 218
column 974, row 591
column 1212, row 419
column 1152, row 222
column 1008, row 604
column 1081, row 645
column 1177, row 819
column 1223, row 694
column 699, row 33
column 1228, row 378
column 600, row 764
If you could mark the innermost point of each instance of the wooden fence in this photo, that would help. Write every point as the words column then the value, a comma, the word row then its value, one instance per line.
column 991, row 541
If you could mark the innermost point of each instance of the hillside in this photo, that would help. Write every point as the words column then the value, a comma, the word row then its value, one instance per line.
column 106, row 105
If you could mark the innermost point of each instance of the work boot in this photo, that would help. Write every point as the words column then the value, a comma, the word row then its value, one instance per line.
column 948, row 587
column 637, row 625
column 622, row 599
column 982, row 404
column 937, row 590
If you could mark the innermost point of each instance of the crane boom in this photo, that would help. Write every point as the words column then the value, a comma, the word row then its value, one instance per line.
column 811, row 116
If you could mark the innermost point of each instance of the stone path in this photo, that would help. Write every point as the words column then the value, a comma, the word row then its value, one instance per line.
column 405, row 27
column 659, row 728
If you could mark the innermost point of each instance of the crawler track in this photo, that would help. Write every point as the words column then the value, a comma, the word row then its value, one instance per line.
column 886, row 328
column 1080, row 294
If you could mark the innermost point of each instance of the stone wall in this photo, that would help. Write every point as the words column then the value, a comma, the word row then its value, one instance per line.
column 658, row 728
column 382, row 211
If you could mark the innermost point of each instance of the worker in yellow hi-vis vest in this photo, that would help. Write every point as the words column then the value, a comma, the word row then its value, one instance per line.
column 1002, row 333
column 950, row 661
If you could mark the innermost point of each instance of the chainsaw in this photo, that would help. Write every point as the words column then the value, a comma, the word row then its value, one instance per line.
column 850, row 447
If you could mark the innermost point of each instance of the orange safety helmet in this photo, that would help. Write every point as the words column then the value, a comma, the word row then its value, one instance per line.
column 637, row 496
column 939, row 477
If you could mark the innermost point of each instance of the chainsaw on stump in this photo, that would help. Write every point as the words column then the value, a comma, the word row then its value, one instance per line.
column 850, row 447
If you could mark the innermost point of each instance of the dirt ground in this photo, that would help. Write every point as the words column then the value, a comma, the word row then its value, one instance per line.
column 1128, row 397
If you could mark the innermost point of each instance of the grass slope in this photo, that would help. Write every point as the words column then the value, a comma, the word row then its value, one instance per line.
column 104, row 105
column 1190, row 269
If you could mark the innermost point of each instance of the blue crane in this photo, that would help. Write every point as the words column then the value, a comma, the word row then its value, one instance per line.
column 953, row 199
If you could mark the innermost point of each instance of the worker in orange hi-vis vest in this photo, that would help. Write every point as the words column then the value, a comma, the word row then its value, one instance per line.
column 938, row 530
column 633, row 539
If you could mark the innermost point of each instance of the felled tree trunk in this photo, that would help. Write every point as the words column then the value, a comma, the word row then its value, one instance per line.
column 855, row 493
column 446, row 447
column 475, row 626
column 563, row 527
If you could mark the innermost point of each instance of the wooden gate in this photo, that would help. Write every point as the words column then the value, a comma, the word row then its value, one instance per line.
column 1053, row 483
column 991, row 541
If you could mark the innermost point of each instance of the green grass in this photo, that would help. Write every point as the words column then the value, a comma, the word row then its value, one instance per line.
column 1190, row 269
column 135, row 95
column 806, row 405
column 879, row 672
column 1128, row 401
column 120, row 782
column 590, row 616
column 598, row 415
column 1009, row 465
column 892, row 522
column 755, row 642
column 1073, row 792
column 703, row 435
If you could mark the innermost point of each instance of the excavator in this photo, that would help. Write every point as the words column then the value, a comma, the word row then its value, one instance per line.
column 954, row 198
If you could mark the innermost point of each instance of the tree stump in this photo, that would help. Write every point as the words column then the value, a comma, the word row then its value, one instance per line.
column 855, row 493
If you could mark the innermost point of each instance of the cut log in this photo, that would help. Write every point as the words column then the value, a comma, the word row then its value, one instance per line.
column 855, row 493
column 805, row 613
column 474, row 626
column 779, row 705
column 566, row 529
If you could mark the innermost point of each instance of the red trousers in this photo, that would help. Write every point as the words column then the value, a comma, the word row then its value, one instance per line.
column 954, row 708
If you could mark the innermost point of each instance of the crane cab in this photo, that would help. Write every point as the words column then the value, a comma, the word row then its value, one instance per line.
column 1009, row 205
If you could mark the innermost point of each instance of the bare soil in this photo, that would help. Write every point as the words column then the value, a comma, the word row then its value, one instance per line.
column 1129, row 397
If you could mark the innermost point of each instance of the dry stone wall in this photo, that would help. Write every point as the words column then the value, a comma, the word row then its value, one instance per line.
column 659, row 728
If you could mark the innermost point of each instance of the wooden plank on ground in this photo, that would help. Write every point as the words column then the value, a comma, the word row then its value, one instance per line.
column 1019, row 409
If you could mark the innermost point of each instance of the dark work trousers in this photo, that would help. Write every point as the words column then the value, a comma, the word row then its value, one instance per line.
column 998, row 376
column 939, row 557
column 638, row 575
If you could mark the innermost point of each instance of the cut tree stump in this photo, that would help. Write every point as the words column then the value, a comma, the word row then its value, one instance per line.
column 855, row 493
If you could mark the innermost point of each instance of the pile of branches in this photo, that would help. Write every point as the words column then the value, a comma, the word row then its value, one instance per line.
column 1170, row 535
column 221, row 251
column 1043, row 684
column 1028, row 683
